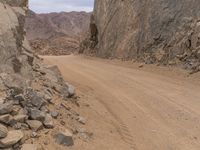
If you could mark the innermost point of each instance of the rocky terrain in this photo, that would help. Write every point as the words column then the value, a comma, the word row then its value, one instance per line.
column 123, row 106
column 36, row 105
column 164, row 32
column 56, row 33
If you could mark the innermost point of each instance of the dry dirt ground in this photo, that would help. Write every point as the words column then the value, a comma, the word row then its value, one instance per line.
column 132, row 108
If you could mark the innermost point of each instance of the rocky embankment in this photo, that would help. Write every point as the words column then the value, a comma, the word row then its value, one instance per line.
column 56, row 33
column 33, row 97
column 165, row 32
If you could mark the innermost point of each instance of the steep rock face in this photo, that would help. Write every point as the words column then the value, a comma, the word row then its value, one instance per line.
column 15, row 54
column 153, row 30
column 20, row 69
column 29, row 90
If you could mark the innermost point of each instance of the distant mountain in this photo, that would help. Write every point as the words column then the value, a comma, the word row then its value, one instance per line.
column 55, row 28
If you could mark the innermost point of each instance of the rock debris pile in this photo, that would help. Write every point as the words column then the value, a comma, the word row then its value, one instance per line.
column 28, row 88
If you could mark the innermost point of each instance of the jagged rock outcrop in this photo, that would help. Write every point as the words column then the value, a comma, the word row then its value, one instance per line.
column 15, row 56
column 166, row 31
column 27, row 87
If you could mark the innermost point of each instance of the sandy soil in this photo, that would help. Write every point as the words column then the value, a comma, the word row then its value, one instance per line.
column 131, row 108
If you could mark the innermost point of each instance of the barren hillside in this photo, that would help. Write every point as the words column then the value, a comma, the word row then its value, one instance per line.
column 117, row 105
column 56, row 33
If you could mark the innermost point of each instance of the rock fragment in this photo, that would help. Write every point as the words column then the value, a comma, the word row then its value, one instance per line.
column 35, row 125
column 12, row 138
column 5, row 119
column 82, row 120
column 34, row 135
column 71, row 90
column 35, row 99
column 64, row 138
column 48, row 122
column 141, row 65
column 6, row 108
column 20, row 118
column 3, row 131
column 36, row 114
column 54, row 114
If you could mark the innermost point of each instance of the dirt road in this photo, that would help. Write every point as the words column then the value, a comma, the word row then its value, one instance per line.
column 133, row 108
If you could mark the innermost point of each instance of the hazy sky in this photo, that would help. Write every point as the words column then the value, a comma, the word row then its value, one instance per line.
column 44, row 6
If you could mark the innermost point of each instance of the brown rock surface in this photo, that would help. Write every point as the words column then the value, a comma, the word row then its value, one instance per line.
column 12, row 138
column 26, row 85
column 165, row 32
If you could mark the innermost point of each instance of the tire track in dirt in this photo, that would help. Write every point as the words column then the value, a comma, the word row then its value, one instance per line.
column 120, row 126
column 148, row 110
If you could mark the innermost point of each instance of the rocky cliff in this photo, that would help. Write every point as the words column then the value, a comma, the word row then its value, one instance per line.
column 153, row 31
column 15, row 55
column 28, row 89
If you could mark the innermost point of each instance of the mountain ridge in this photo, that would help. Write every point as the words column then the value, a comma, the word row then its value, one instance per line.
column 56, row 33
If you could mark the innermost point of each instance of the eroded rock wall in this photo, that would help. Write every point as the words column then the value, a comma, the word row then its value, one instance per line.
column 29, row 90
column 15, row 54
column 163, row 31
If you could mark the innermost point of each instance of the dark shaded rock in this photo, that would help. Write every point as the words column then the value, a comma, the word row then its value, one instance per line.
column 36, row 114
column 6, row 108
column 35, row 98
column 19, row 98
column 64, row 138
column 14, row 91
